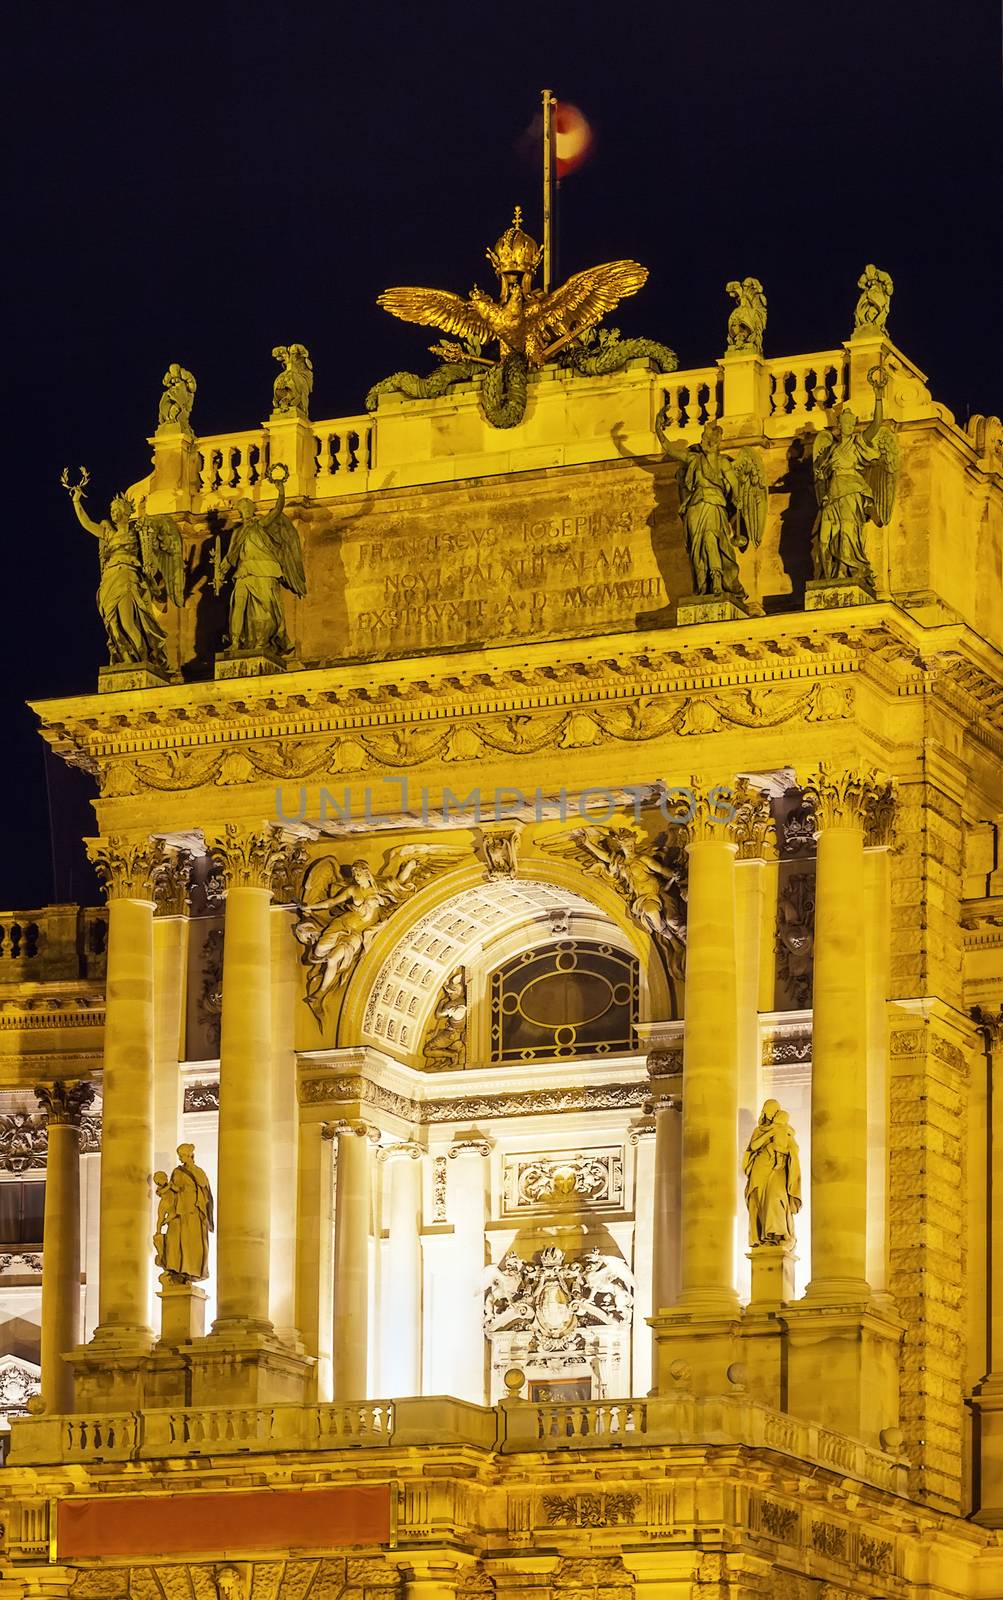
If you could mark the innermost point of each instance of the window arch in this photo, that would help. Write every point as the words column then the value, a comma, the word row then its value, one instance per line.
column 571, row 998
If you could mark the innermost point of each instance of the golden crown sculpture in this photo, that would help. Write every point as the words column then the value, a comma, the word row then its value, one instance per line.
column 516, row 250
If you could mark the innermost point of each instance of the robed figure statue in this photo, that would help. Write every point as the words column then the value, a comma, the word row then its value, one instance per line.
column 264, row 558
column 185, row 1219
column 772, row 1168
column 855, row 479
column 722, row 501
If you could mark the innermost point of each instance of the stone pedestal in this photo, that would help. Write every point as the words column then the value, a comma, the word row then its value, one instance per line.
column 182, row 1311
column 175, row 478
column 292, row 443
column 842, row 1368
column 245, row 1369
column 823, row 594
column 746, row 393
column 707, row 1346
column 692, row 608
column 131, row 675
column 772, row 1276
column 987, row 1404
column 248, row 664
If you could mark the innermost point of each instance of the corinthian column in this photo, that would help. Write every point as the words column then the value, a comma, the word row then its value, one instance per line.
column 842, row 802
column 352, row 1203
column 248, row 860
column 710, row 1067
column 128, row 869
column 64, row 1104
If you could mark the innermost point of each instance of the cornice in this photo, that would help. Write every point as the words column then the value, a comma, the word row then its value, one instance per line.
column 405, row 711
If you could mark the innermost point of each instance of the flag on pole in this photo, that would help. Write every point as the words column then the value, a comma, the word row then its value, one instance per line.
column 572, row 138
column 567, row 140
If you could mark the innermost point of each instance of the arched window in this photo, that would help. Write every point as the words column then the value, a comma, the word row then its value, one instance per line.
column 572, row 998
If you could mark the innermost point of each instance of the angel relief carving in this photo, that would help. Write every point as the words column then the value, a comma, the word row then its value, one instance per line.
column 142, row 567
column 343, row 908
column 856, row 474
column 648, row 877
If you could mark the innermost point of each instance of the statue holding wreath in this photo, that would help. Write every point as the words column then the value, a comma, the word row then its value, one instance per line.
column 264, row 556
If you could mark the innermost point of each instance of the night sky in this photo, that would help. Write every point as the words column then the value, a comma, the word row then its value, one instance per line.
column 200, row 183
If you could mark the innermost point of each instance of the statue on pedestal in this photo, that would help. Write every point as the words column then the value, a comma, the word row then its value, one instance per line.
column 293, row 385
column 747, row 323
column 140, row 556
column 264, row 557
column 772, row 1168
column 855, row 480
column 176, row 402
column 722, row 501
column 871, row 313
column 185, row 1218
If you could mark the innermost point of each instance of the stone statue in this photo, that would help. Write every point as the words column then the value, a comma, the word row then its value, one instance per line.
column 141, row 558
column 445, row 1044
column 871, row 314
column 747, row 323
column 293, row 386
column 185, row 1220
column 646, row 877
column 497, row 846
column 855, row 480
column 343, row 908
column 772, row 1170
column 264, row 557
column 722, row 501
column 795, row 942
column 177, row 399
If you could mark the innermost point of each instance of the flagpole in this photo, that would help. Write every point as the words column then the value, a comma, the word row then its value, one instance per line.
column 548, row 192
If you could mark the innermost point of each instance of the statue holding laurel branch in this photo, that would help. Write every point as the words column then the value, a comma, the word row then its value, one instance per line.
column 264, row 557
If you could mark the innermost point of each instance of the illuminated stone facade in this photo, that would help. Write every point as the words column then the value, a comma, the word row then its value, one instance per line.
column 466, row 947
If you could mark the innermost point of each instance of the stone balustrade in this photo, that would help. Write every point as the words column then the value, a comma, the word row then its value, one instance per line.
column 53, row 944
column 510, row 1428
column 411, row 442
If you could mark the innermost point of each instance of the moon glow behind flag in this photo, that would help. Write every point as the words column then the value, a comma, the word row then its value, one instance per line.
column 572, row 138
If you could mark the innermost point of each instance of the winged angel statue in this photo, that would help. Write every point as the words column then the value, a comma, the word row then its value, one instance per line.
column 142, row 566
column 343, row 908
column 648, row 879
column 856, row 475
column 722, row 501
column 529, row 325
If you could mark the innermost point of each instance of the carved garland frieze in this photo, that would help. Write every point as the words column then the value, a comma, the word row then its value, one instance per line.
column 470, row 1108
column 602, row 1510
column 24, row 1139
column 546, row 1183
column 411, row 744
column 330, row 1578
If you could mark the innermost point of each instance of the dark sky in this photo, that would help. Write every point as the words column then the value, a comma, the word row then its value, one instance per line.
column 199, row 183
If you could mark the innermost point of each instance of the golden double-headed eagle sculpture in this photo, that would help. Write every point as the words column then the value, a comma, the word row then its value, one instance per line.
column 532, row 322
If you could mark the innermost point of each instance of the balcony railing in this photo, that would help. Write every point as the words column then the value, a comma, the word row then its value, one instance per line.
column 514, row 1427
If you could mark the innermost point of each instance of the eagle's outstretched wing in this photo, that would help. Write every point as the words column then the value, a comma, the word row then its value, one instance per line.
column 163, row 555
column 589, row 296
column 882, row 474
column 750, row 496
column 436, row 308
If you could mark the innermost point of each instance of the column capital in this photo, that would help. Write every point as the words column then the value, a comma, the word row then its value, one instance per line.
column 404, row 1147
column 702, row 812
column 850, row 799
column 357, row 1126
column 752, row 827
column 464, row 1147
column 128, row 868
column 990, row 1025
column 171, row 885
column 64, row 1103
column 254, row 858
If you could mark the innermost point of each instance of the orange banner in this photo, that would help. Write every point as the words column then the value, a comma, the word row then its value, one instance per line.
column 223, row 1524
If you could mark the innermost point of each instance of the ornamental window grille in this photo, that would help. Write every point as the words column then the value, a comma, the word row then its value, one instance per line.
column 573, row 998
